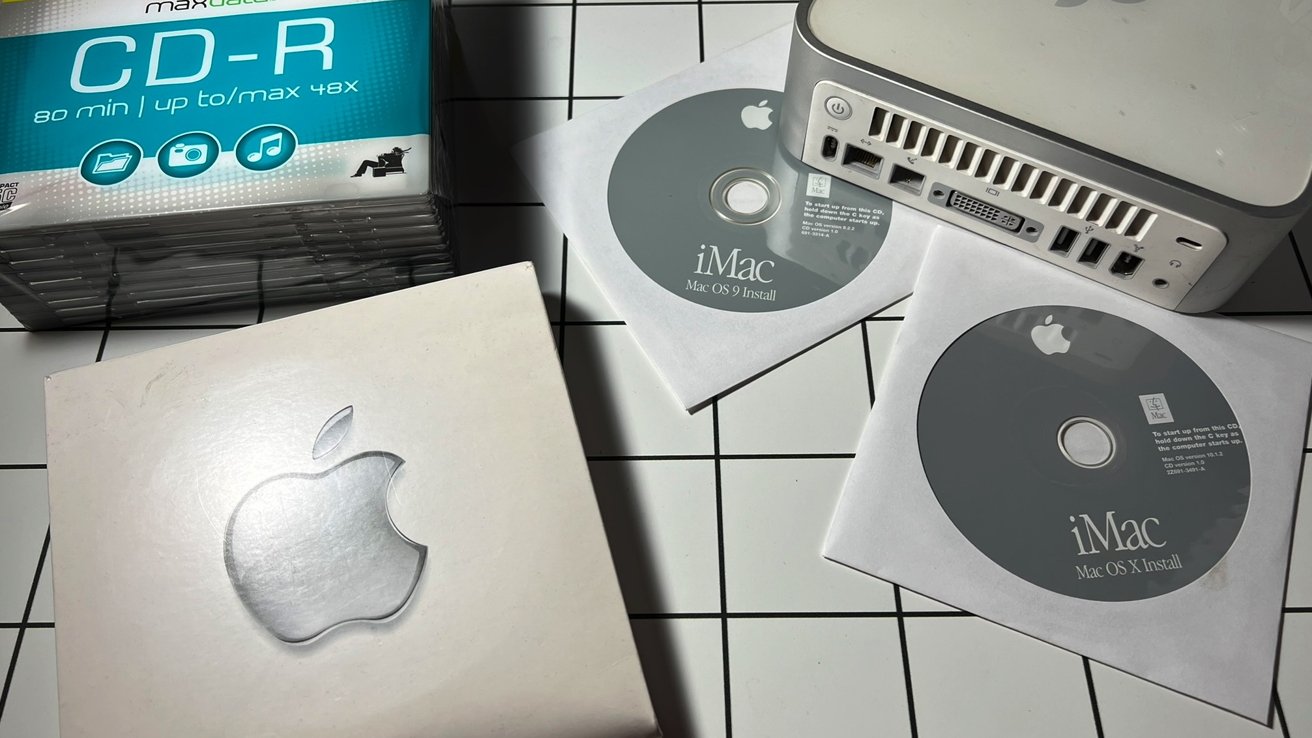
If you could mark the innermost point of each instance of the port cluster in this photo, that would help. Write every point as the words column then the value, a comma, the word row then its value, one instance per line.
column 1092, row 252
column 1091, row 255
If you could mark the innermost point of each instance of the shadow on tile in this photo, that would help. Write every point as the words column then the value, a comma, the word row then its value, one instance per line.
column 630, row 542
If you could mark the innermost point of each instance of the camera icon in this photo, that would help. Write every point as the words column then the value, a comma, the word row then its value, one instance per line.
column 189, row 155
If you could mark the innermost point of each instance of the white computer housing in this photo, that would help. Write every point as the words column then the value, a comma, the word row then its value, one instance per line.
column 1161, row 148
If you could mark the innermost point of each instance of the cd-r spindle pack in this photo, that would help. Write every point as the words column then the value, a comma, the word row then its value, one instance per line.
column 186, row 155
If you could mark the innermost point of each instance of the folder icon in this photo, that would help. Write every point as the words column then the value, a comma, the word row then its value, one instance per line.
column 107, row 163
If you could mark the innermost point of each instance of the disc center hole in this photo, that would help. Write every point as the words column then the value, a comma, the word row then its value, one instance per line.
column 1086, row 442
column 746, row 197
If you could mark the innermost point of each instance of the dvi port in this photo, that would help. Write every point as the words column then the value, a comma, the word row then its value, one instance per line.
column 981, row 210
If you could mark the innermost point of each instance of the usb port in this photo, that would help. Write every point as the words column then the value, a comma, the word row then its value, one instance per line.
column 1093, row 251
column 907, row 179
column 1064, row 241
column 1126, row 265
column 862, row 160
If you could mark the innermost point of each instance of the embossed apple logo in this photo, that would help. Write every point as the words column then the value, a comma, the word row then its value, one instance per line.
column 1049, row 339
column 309, row 552
column 758, row 116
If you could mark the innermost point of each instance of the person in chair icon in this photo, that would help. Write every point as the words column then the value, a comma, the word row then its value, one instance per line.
column 389, row 163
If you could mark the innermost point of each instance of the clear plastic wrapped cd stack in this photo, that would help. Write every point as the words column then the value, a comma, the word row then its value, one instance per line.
column 199, row 155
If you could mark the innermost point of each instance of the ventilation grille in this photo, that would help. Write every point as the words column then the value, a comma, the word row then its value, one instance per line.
column 1007, row 173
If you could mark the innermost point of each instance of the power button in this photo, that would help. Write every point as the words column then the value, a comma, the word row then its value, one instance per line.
column 838, row 108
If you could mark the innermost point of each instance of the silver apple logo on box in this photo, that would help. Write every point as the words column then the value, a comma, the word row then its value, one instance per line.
column 309, row 552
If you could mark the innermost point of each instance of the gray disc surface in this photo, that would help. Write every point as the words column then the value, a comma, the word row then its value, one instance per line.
column 707, row 203
column 1083, row 453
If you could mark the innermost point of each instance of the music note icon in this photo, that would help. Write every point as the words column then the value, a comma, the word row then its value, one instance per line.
column 271, row 145
column 266, row 148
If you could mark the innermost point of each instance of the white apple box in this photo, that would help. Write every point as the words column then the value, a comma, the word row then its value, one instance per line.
column 1051, row 515
column 370, row 520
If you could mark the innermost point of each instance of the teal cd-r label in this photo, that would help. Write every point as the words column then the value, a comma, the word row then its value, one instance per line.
column 186, row 91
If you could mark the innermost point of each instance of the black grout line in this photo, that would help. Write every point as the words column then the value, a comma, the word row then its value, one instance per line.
column 599, row 323
column 78, row 329
column 870, row 366
column 21, row 467
column 1302, row 265
column 564, row 239
column 571, row 99
column 1280, row 713
column 724, row 592
column 1093, row 697
column 259, row 285
column 104, row 339
column 906, row 657
column 897, row 590
column 675, row 616
column 22, row 630
column 235, row 326
column 681, row 457
column 1268, row 314
column 828, row 615
column 33, row 625
column 184, row 327
column 36, row 580
column 855, row 615
column 877, row 613
column 564, row 306
column 701, row 32
column 726, row 457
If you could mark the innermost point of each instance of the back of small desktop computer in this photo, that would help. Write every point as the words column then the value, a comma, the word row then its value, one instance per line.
column 1161, row 148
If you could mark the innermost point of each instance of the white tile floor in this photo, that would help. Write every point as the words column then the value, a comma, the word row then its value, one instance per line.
column 816, row 677
column 1295, row 665
column 816, row 404
column 971, row 677
column 660, row 517
column 716, row 518
column 776, row 513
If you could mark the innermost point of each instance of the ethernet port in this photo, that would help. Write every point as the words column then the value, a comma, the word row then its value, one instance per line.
column 907, row 179
column 1126, row 265
column 863, row 161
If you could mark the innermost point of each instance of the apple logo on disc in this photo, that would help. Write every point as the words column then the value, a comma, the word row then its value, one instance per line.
column 1048, row 338
column 758, row 116
column 309, row 552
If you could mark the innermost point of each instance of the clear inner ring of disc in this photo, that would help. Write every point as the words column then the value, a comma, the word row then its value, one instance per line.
column 747, row 197
column 1086, row 442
